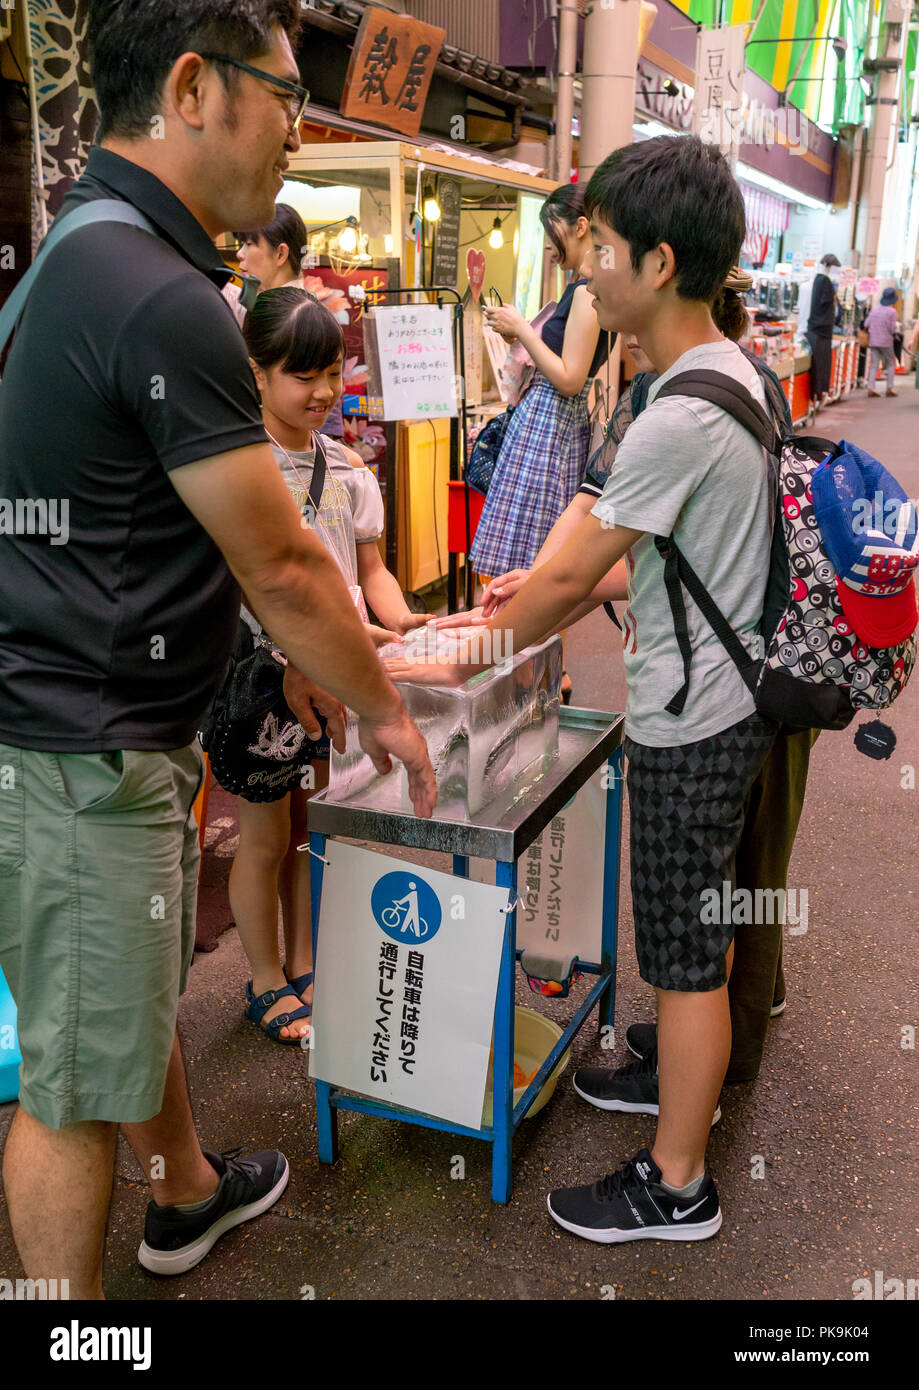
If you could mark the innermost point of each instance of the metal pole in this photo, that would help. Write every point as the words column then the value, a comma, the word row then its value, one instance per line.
column 891, row 44
column 567, row 62
column 611, row 45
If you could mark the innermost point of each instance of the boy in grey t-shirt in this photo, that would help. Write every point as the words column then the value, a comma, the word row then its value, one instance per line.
column 668, row 222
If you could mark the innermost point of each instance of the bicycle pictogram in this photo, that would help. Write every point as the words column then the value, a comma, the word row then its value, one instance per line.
column 411, row 921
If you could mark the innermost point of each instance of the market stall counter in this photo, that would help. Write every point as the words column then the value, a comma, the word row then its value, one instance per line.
column 794, row 372
column 502, row 831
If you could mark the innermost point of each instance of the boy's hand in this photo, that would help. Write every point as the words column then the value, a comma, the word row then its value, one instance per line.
column 426, row 672
column 501, row 590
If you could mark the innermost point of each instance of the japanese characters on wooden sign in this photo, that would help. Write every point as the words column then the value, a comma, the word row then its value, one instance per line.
column 390, row 72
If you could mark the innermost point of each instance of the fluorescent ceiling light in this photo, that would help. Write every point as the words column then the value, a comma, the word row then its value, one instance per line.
column 646, row 130
column 771, row 185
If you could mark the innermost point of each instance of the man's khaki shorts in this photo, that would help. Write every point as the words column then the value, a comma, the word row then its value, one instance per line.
column 98, row 881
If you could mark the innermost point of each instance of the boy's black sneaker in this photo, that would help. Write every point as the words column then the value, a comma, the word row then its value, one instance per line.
column 175, row 1241
column 632, row 1205
column 632, row 1088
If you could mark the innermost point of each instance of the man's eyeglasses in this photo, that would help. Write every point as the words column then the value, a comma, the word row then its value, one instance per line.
column 295, row 103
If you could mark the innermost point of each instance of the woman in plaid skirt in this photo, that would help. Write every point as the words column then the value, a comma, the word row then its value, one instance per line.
column 544, row 453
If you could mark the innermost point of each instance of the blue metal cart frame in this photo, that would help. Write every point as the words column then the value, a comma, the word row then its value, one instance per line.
column 598, row 741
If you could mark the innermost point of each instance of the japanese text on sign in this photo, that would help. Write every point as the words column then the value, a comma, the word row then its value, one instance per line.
column 391, row 67
column 718, row 114
column 417, row 365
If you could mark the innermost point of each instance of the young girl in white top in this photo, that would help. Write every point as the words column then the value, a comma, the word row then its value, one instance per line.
column 297, row 351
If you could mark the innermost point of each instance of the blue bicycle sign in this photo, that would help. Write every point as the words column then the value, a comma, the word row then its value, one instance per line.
column 406, row 908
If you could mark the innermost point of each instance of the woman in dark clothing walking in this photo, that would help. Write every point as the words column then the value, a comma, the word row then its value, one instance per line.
column 820, row 325
column 544, row 452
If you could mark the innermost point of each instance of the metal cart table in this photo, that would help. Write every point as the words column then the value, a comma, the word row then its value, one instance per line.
column 502, row 832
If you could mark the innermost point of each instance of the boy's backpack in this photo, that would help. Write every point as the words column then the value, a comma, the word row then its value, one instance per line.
column 815, row 672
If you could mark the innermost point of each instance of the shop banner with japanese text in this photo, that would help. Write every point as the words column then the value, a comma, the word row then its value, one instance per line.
column 406, row 981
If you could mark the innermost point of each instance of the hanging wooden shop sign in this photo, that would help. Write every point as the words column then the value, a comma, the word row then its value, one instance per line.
column 390, row 72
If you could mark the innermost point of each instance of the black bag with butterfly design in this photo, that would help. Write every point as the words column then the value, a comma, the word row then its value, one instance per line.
column 257, row 747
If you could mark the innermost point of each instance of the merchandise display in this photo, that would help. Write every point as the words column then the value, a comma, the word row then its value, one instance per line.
column 482, row 737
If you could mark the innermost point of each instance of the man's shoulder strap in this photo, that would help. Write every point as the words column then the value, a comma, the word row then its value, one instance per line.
column 100, row 210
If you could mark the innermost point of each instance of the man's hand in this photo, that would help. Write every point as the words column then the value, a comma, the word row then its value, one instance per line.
column 401, row 739
column 306, row 698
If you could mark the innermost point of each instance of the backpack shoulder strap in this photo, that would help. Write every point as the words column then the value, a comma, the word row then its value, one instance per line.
column 100, row 210
column 677, row 571
column 733, row 398
column 730, row 396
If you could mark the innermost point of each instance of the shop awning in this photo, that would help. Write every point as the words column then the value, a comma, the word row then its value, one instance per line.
column 767, row 216
column 765, row 212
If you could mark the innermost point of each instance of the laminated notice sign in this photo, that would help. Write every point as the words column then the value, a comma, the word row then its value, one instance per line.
column 406, row 981
column 410, row 348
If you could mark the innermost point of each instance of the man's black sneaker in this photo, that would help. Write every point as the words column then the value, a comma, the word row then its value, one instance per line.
column 777, row 1008
column 175, row 1241
column 632, row 1205
column 641, row 1038
column 632, row 1088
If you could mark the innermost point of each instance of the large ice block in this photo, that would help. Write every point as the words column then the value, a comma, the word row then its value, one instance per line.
column 499, row 728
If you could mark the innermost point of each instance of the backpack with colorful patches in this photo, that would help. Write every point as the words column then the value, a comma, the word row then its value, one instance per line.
column 811, row 671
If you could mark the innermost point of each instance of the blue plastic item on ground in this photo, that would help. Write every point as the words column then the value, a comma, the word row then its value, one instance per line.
column 10, row 1056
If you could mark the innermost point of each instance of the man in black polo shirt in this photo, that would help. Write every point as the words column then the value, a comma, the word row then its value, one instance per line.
column 128, row 397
